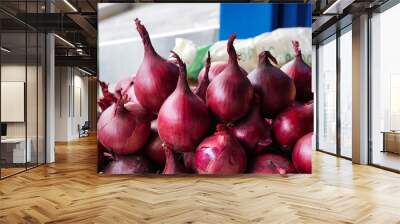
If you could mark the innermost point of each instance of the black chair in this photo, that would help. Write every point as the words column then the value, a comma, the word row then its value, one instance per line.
column 84, row 130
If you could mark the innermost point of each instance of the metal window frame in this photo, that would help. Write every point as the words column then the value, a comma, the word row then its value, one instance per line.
column 381, row 9
column 44, row 72
column 340, row 29
column 387, row 5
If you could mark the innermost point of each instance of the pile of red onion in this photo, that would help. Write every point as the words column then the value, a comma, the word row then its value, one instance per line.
column 230, row 122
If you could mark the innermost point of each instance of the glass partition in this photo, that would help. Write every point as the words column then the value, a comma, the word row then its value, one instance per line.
column 14, row 151
column 23, row 89
column 31, row 97
column 385, row 89
column 346, row 92
column 41, row 96
column 327, row 96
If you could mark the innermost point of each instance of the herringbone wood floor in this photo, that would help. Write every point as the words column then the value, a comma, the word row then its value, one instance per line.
column 70, row 191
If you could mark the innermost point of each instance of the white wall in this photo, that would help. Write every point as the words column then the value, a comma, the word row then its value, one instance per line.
column 69, row 82
column 61, row 103
column 33, row 126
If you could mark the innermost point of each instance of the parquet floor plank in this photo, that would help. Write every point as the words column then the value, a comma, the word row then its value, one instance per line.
column 70, row 191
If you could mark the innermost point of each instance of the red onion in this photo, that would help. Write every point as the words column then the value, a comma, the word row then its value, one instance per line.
column 107, row 99
column 300, row 72
column 173, row 165
column 220, row 153
column 183, row 119
column 126, row 87
column 276, row 89
column 131, row 164
column 293, row 123
column 154, row 149
column 156, row 78
column 123, row 84
column 102, row 160
column 253, row 132
column 123, row 128
column 268, row 121
column 272, row 164
column 230, row 94
column 154, row 125
column 188, row 160
column 215, row 69
column 302, row 154
column 202, row 87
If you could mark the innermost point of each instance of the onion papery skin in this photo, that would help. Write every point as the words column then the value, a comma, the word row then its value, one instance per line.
column 156, row 77
column 215, row 69
column 107, row 99
column 272, row 164
column 126, row 87
column 300, row 72
column 276, row 89
column 154, row 149
column 183, row 119
column 173, row 165
column 230, row 94
column 121, row 130
column 302, row 154
column 201, row 89
column 131, row 164
column 292, row 124
column 220, row 153
column 253, row 132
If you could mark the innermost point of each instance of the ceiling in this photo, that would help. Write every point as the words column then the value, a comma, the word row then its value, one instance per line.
column 76, row 22
column 332, row 15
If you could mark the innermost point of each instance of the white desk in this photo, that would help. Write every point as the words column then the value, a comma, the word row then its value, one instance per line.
column 18, row 150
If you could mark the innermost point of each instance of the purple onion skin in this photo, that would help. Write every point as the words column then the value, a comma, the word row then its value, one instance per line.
column 220, row 153
column 154, row 150
column 230, row 95
column 173, row 165
column 123, row 84
column 156, row 77
column 121, row 130
column 131, row 164
column 202, row 86
column 188, row 161
column 183, row 119
column 292, row 124
column 272, row 164
column 215, row 69
column 253, row 132
column 102, row 160
column 107, row 99
column 302, row 154
column 126, row 87
column 276, row 89
column 300, row 72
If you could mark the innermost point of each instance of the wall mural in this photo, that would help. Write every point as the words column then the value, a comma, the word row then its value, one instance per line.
column 216, row 88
